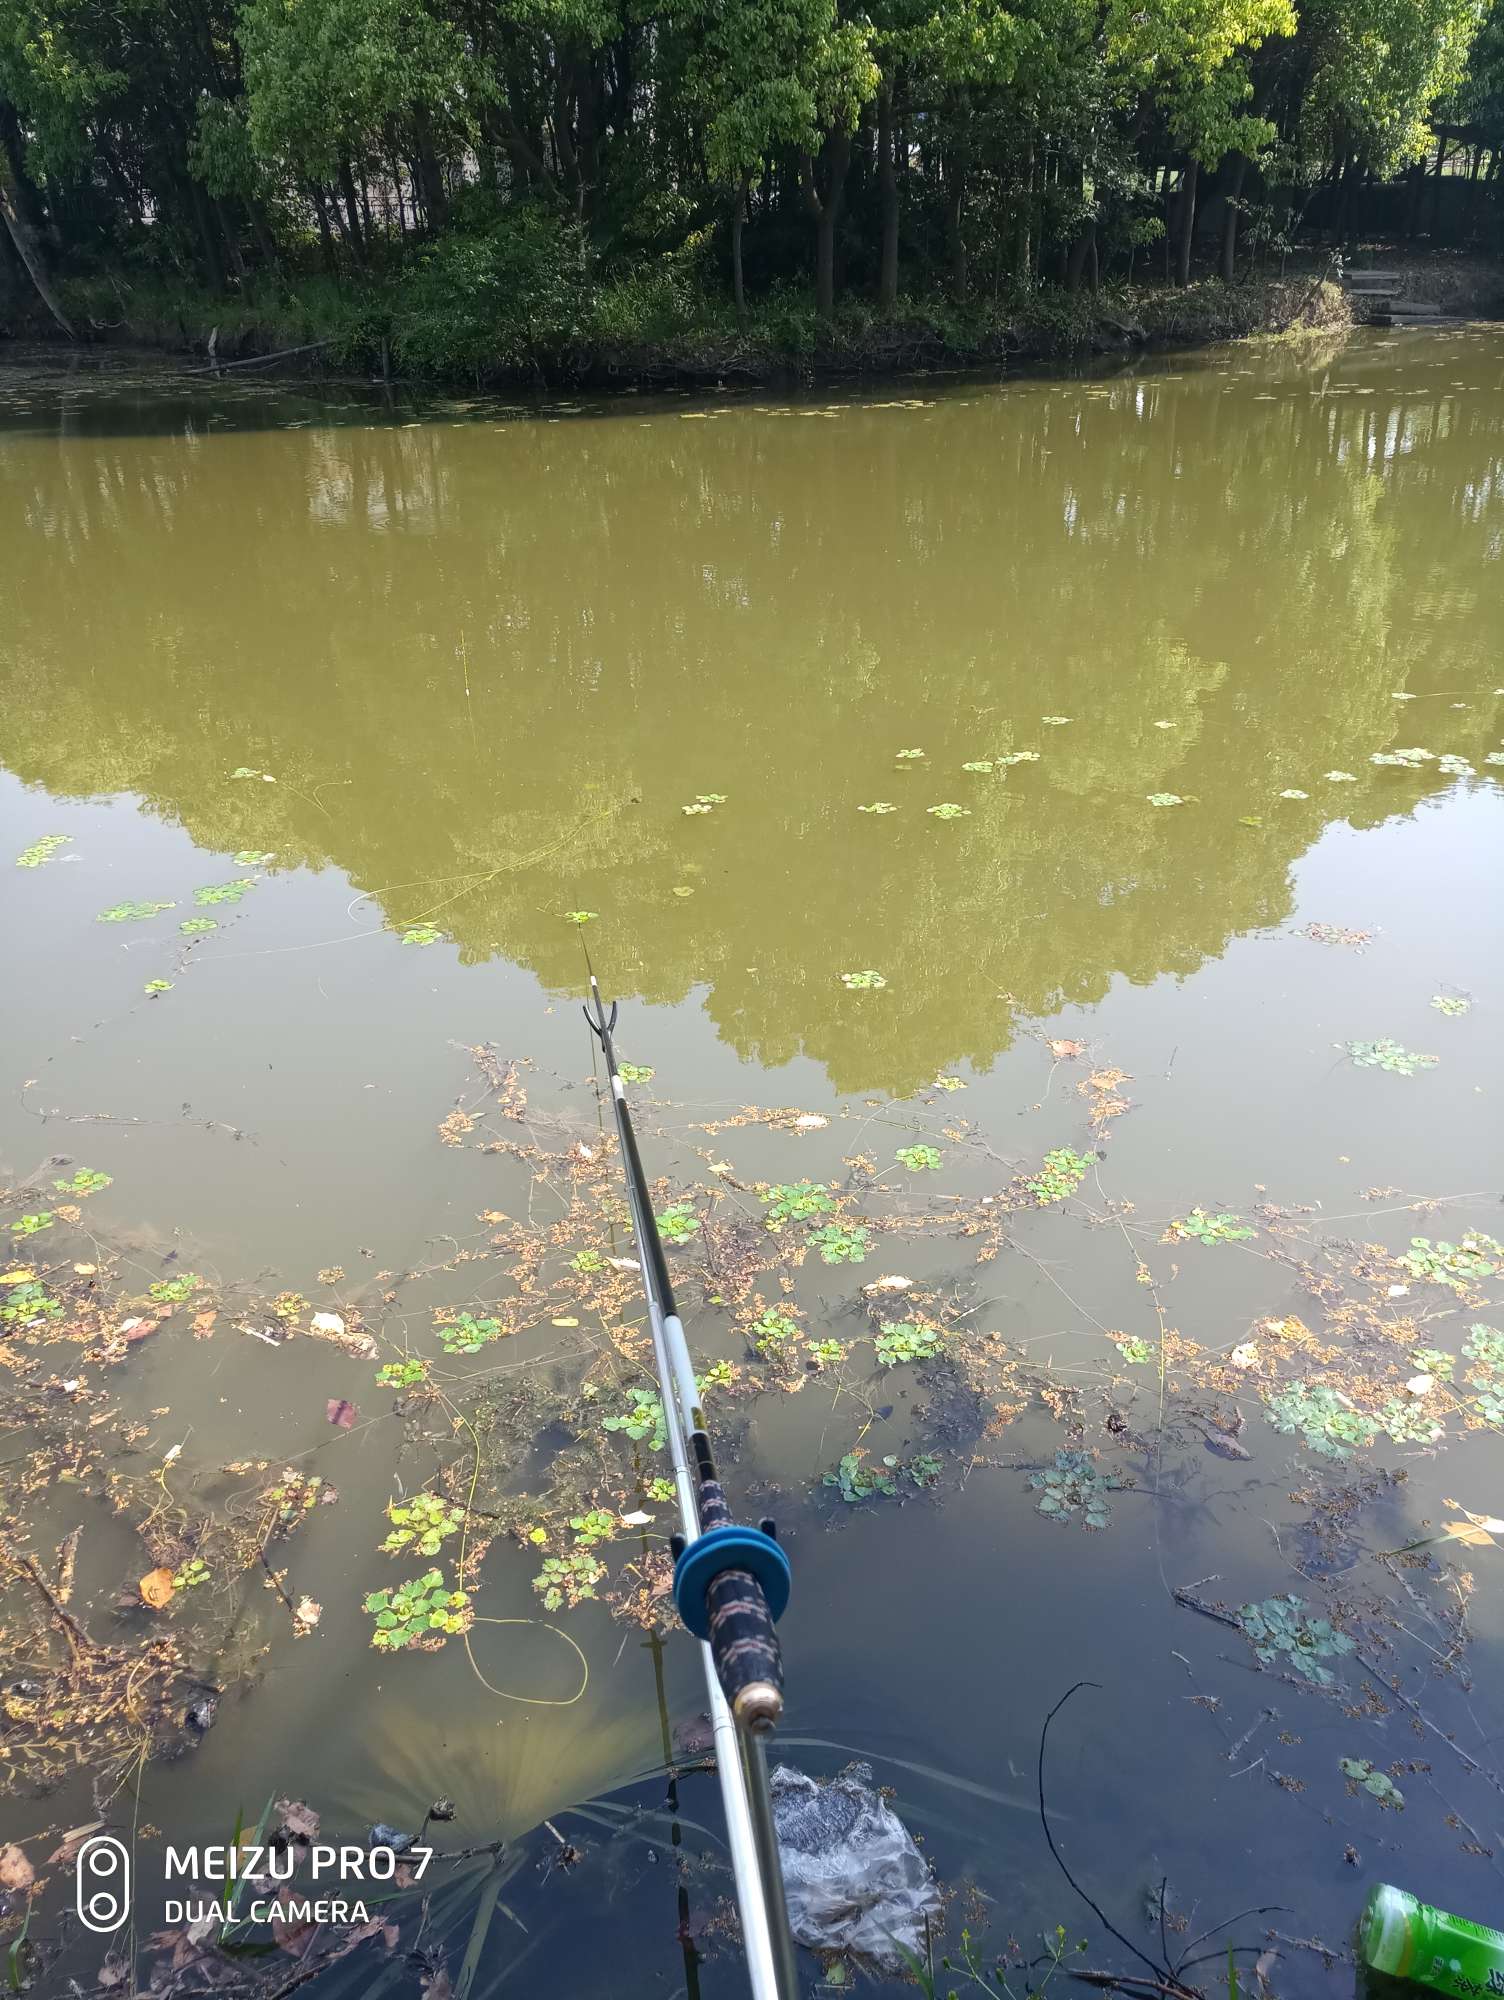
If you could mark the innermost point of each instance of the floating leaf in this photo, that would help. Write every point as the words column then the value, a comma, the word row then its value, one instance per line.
column 983, row 764
column 1451, row 1004
column 1341, row 777
column 1020, row 757
column 41, row 851
column 1295, row 795
column 919, row 1159
column 1055, row 721
column 949, row 811
column 878, row 806
column 421, row 934
column 251, row 857
column 1386, row 1054
column 196, row 926
column 863, row 981
column 224, row 892
column 908, row 753
column 579, row 916
column 125, row 913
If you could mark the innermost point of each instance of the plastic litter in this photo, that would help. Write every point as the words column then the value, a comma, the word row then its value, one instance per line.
column 853, row 1877
column 1408, row 1939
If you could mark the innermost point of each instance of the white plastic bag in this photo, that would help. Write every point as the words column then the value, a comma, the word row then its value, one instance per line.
column 853, row 1877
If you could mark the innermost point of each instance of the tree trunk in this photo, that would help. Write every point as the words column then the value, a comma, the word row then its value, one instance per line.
column 27, row 249
column 955, row 235
column 352, row 211
column 826, row 209
column 887, row 182
column 1441, row 160
column 1075, row 262
column 326, row 236
column 738, row 219
column 1187, row 221
column 435, row 199
column 1232, row 194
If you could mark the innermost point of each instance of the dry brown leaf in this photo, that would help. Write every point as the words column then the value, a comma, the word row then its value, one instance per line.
column 16, row 1872
column 203, row 1324
column 1474, row 1531
column 73, row 1840
column 298, row 1820
column 156, row 1588
column 1067, row 1051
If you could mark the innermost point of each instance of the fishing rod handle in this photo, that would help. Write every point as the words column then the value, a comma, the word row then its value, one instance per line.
column 744, row 1646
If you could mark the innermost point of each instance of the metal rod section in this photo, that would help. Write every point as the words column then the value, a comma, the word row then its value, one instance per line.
column 740, row 1764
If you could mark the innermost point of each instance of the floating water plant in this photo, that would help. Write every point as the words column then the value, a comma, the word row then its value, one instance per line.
column 1204, row 1228
column 421, row 934
column 948, row 811
column 772, row 1330
column 173, row 1291
column 1406, row 1420
column 130, row 913
column 1295, row 795
column 421, row 1525
column 1131, row 1347
column 1407, row 760
column 585, row 1261
column 32, row 1225
column 1341, row 777
column 224, row 892
column 705, row 802
column 1164, row 798
column 796, row 1201
column 156, row 986
column 1281, row 1634
column 635, row 1072
column 1055, row 721
column 920, row 1159
column 25, row 1301
column 1455, row 767
column 404, row 1374
column 1485, row 1346
column 855, row 1480
column 196, row 926
column 1378, row 1784
column 908, row 753
column 1073, row 1484
column 466, row 1334
column 1020, row 757
column 982, row 764
column 678, row 1222
column 839, row 1244
column 1324, row 1418
column 878, row 806
column 1386, row 1054
column 827, row 1353
column 1453, row 1264
column 579, row 916
column 1062, row 1173
column 906, row 1340
column 85, row 1181
column 41, row 851
column 421, row 1614
column 1450, row 1004
column 251, row 857
column 642, row 1419
column 863, row 982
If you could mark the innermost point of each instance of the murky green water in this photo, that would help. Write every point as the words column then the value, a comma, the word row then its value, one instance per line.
column 465, row 668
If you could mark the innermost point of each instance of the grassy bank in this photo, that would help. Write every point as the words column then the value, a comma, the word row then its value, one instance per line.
column 461, row 320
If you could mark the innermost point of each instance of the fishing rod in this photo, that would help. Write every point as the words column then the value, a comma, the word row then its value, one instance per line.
column 731, row 1584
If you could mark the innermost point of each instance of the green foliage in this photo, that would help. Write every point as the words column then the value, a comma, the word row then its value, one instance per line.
column 948, row 811
column 1062, row 1173
column 421, row 1525
column 1324, row 1418
column 224, row 892
column 156, row 986
column 1209, row 1229
column 191, row 1574
column 1165, row 799
column 827, row 1353
column 421, row 934
column 678, row 1222
column 877, row 806
column 1378, row 1784
column 841, row 1243
column 920, row 1159
column 465, row 1334
column 41, row 851
column 1455, row 1265
column 196, row 926
column 642, row 1420
column 579, row 916
column 1282, row 1634
column 795, row 1201
column 586, row 1261
column 860, row 982
column 983, row 764
column 85, row 1181
column 1388, row 1055
column 1485, row 1346
column 1434, row 1361
column 27, row 1302
column 252, row 857
column 1132, row 1348
column 404, row 1374
column 421, row 1614
column 33, row 1225
column 906, row 1340
column 855, row 1480
column 1073, row 1483
column 128, row 913
column 636, row 1072
column 173, row 1291
column 772, row 1330
column 568, row 1579
column 1450, row 1004
column 1406, row 1420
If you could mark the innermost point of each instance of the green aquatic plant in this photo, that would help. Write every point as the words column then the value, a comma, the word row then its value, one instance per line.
column 1020, row 757
column 156, row 986
column 1292, row 794
column 827, row 1353
column 642, row 1420
column 404, row 1374
column 879, row 806
column 636, row 1072
column 579, row 916
column 1378, row 1784
column 421, row 1525
column 41, row 851
column 947, row 1083
column 1324, row 1418
column 568, row 1579
column 596, row 1525
column 1434, row 1361
column 465, row 1334
column 1450, row 1004
column 1409, row 760
column 421, row 1614
column 795, row 1201
column 920, row 1159
column 1387, row 1054
column 1485, row 1346
column 908, row 753
column 1341, row 777
column 173, row 1291
column 1055, row 721
column 1453, row 1264
column 26, row 1301
column 1132, row 1348
column 860, row 982
column 856, row 1481
column 1164, row 798
column 587, row 1260
column 660, row 1489
column 948, row 810
column 224, row 892
column 1073, row 1482
column 33, row 1225
column 841, row 1243
column 129, row 913
column 421, row 934
column 86, row 1181
column 1204, row 1228
column 772, row 1330
column 1282, row 1634
column 1455, row 767
column 906, row 1340
column 196, row 926
column 1062, row 1173
column 251, row 857
column 678, row 1222
column 705, row 802
column 982, row 764
column 191, row 1574
column 1406, row 1420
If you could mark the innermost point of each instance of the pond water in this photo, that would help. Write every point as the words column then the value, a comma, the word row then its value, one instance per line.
column 379, row 699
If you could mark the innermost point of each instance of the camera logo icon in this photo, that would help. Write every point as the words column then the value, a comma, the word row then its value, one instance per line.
column 102, row 1884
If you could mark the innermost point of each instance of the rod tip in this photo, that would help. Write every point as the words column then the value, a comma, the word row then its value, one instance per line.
column 758, row 1706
